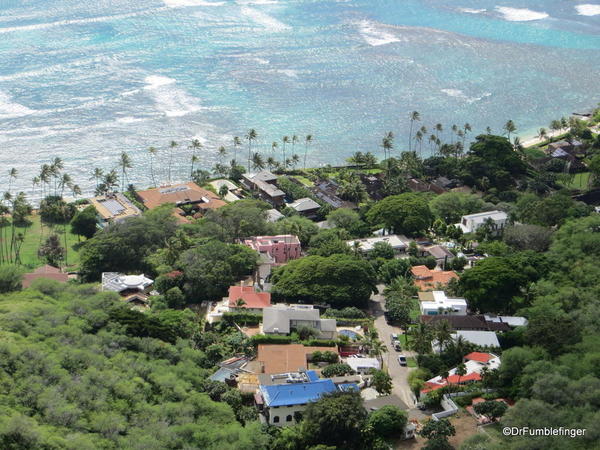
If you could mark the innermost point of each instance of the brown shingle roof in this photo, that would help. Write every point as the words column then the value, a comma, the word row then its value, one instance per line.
column 180, row 194
column 286, row 358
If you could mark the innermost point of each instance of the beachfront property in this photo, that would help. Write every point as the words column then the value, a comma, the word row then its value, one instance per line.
column 475, row 363
column 426, row 279
column 472, row 222
column 245, row 298
column 113, row 208
column 326, row 191
column 280, row 248
column 233, row 192
column 398, row 243
column 281, row 398
column 264, row 184
column 432, row 303
column 189, row 193
column 475, row 322
column 283, row 319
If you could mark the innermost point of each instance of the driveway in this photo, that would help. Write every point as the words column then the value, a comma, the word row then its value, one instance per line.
column 398, row 373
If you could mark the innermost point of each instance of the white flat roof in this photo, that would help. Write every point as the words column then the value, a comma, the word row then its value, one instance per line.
column 367, row 244
column 482, row 338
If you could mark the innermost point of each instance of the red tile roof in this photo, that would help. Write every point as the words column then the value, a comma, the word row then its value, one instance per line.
column 47, row 272
column 427, row 279
column 478, row 356
column 452, row 379
column 252, row 299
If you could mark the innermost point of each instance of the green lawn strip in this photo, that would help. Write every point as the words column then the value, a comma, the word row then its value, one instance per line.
column 411, row 362
column 305, row 181
column 35, row 235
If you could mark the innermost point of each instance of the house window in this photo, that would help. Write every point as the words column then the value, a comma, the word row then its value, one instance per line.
column 288, row 418
column 275, row 419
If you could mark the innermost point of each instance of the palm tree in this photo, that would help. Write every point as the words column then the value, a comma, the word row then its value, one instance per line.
column 222, row 152
column 172, row 146
column 388, row 145
column 509, row 127
column 35, row 181
column 295, row 160
column 294, row 141
column 419, row 139
column 542, row 134
column 442, row 333
column 97, row 174
column 195, row 145
column 488, row 130
column 257, row 161
column 12, row 174
column 439, row 129
column 65, row 181
column 467, row 129
column 285, row 140
column 274, row 145
column 555, row 126
column 44, row 178
column 307, row 140
column 461, row 371
column 271, row 162
column 432, row 140
column 152, row 154
column 236, row 143
column 414, row 116
column 251, row 135
column 454, row 130
column 421, row 338
column 124, row 164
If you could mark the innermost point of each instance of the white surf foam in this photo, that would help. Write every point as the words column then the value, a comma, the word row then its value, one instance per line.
column 457, row 93
column 375, row 36
column 268, row 22
column 520, row 14
column 170, row 100
column 588, row 9
column 59, row 23
column 10, row 109
column 472, row 10
column 184, row 3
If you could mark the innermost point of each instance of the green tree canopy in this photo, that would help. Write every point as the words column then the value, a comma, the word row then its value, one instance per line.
column 85, row 222
column 451, row 206
column 338, row 280
column 388, row 421
column 406, row 213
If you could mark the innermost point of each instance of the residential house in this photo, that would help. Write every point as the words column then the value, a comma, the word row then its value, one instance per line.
column 426, row 279
column 264, row 184
column 475, row 363
column 363, row 365
column 113, row 208
column 473, row 323
column 283, row 319
column 398, row 243
column 229, row 369
column 373, row 184
column 511, row 321
column 445, row 183
column 441, row 254
column 135, row 289
column 472, row 222
column 282, row 403
column 286, row 358
column 436, row 302
column 180, row 195
column 233, row 192
column 479, row 338
column 417, row 185
column 273, row 215
column 245, row 298
column 306, row 207
column 47, row 272
column 327, row 192
column 280, row 248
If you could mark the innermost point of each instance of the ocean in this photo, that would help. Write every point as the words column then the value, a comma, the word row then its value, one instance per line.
column 84, row 81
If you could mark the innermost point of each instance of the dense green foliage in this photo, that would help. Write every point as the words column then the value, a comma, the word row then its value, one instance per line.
column 85, row 222
column 124, row 246
column 337, row 280
column 405, row 213
column 76, row 376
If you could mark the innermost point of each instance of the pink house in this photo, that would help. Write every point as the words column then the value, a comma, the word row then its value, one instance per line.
column 280, row 248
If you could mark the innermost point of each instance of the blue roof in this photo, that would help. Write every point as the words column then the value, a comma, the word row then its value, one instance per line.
column 312, row 375
column 296, row 393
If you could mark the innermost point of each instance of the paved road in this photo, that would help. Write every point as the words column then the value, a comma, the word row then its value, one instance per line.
column 399, row 373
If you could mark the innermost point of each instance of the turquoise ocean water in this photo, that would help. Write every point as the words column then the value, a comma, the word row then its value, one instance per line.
column 87, row 80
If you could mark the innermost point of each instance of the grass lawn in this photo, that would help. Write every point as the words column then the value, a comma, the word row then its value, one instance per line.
column 33, row 237
column 411, row 362
column 534, row 153
column 580, row 181
column 305, row 181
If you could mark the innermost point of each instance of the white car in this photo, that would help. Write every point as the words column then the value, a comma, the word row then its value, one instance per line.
column 402, row 360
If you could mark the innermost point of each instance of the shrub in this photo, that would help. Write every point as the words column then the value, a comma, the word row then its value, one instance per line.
column 337, row 370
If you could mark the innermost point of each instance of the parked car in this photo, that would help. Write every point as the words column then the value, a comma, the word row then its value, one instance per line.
column 402, row 360
column 394, row 338
column 397, row 346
